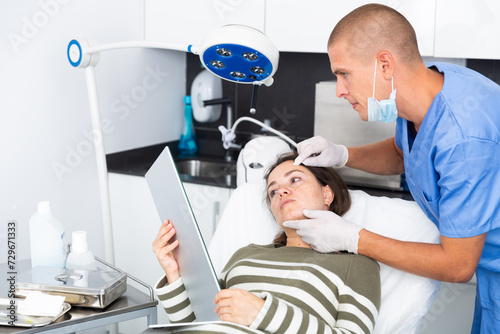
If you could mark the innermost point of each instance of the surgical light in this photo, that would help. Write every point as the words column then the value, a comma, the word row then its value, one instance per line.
column 235, row 53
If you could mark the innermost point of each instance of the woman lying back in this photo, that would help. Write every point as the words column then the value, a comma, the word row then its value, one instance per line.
column 285, row 286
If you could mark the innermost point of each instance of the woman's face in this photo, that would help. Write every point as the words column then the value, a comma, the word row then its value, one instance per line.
column 292, row 189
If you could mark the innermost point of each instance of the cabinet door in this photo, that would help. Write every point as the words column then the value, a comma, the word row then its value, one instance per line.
column 208, row 204
column 468, row 29
column 452, row 310
column 302, row 26
column 189, row 21
column 421, row 14
column 135, row 226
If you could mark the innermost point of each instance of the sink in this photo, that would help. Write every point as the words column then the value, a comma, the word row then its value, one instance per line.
column 219, row 173
column 205, row 168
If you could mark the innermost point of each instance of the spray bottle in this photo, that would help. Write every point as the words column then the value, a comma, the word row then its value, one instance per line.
column 187, row 142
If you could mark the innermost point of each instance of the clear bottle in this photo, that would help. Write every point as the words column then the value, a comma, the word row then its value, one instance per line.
column 187, row 142
column 80, row 256
column 47, row 238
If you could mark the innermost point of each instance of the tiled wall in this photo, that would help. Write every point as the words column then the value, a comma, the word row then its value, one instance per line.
column 489, row 68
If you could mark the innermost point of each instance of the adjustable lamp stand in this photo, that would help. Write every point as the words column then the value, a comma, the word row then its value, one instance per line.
column 236, row 53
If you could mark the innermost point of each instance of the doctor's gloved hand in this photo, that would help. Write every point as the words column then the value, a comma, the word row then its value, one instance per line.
column 326, row 232
column 319, row 152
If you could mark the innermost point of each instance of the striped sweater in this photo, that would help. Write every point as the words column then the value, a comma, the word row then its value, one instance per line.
column 304, row 291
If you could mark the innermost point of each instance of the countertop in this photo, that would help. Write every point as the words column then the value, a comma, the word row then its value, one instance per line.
column 138, row 161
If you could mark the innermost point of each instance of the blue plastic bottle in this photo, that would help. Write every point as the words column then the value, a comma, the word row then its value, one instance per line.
column 187, row 143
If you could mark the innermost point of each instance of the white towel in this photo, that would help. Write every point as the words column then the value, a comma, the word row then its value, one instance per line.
column 38, row 304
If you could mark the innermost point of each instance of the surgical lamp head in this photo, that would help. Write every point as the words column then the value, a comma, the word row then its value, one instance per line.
column 240, row 54
column 233, row 52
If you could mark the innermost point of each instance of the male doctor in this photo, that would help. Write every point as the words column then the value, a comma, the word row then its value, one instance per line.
column 447, row 142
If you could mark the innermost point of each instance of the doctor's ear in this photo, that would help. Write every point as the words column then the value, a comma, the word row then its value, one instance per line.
column 385, row 62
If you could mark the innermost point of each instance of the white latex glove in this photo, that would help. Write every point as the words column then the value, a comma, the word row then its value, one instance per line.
column 326, row 232
column 319, row 152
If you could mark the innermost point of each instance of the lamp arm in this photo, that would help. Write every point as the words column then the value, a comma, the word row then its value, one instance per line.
column 82, row 53
column 141, row 44
column 102, row 169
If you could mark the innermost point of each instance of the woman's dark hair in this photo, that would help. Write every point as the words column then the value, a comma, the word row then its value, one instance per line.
column 326, row 176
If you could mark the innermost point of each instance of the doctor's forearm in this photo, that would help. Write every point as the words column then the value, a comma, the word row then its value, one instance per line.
column 378, row 158
column 451, row 261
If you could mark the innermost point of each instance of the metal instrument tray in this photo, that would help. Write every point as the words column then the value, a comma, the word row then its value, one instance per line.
column 84, row 288
column 25, row 320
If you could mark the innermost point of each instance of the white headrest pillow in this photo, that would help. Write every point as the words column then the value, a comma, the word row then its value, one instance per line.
column 257, row 155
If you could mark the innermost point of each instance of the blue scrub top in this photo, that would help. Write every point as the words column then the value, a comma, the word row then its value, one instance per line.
column 452, row 166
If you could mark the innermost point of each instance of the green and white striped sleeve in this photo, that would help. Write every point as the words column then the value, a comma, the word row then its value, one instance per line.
column 174, row 299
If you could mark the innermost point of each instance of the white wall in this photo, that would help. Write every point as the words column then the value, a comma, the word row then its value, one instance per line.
column 45, row 148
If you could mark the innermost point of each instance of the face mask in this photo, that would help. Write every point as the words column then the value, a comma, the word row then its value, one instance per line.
column 384, row 110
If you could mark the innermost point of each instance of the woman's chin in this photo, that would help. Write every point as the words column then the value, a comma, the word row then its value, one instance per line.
column 290, row 217
column 295, row 216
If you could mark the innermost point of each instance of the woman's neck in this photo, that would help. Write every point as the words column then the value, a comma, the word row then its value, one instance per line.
column 296, row 242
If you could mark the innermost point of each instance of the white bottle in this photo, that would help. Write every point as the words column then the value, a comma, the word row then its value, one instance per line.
column 47, row 238
column 80, row 256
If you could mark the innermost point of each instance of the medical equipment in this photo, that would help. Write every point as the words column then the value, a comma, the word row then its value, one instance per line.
column 253, row 102
column 83, row 288
column 225, row 53
column 228, row 135
column 234, row 52
column 406, row 298
column 256, row 155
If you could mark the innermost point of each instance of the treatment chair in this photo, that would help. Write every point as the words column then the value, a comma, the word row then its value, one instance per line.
column 406, row 298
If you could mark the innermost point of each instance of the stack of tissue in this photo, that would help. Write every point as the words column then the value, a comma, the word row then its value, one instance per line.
column 38, row 304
